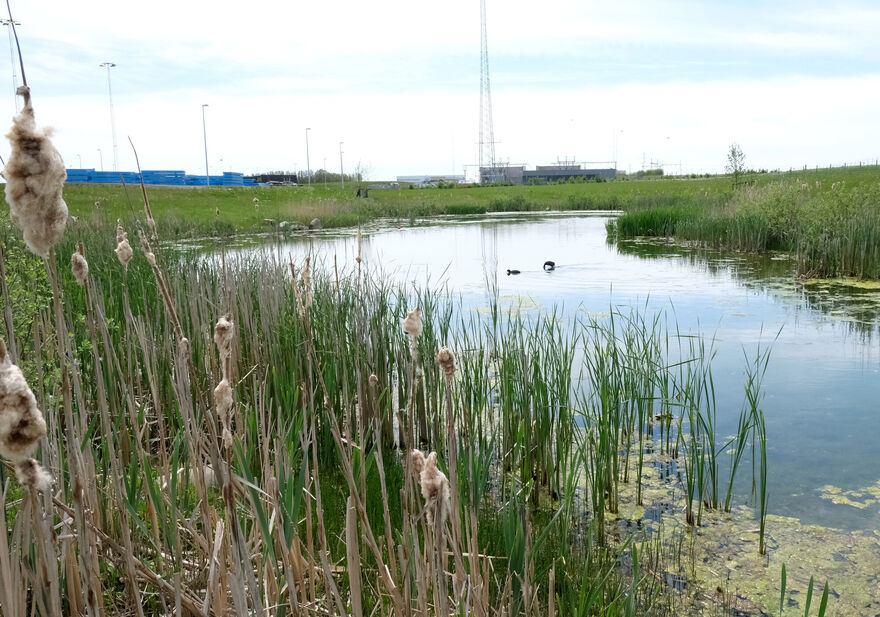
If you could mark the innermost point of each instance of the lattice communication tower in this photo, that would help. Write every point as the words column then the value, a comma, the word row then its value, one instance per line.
column 487, row 133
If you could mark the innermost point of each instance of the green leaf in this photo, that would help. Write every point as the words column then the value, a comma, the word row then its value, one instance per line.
column 782, row 592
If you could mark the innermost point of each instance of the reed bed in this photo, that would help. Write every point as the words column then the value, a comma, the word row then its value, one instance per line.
column 833, row 229
column 236, row 438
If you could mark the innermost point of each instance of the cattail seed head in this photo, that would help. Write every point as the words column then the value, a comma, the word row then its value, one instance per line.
column 418, row 461
column 412, row 325
column 223, row 403
column 183, row 346
column 21, row 423
column 120, row 232
column 29, row 473
column 446, row 360
column 79, row 266
column 224, row 330
column 35, row 178
column 307, row 283
column 434, row 485
column 123, row 251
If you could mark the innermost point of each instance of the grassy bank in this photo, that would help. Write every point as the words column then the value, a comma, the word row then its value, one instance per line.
column 830, row 221
column 293, row 497
column 827, row 217
column 223, row 210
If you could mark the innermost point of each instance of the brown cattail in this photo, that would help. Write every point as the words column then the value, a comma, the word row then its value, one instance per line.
column 79, row 266
column 21, row 424
column 123, row 251
column 29, row 473
column 183, row 346
column 418, row 461
column 224, row 330
column 446, row 360
column 223, row 403
column 307, row 283
column 35, row 178
column 412, row 325
column 435, row 486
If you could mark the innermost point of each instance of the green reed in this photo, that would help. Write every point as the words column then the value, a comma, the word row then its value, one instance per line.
column 832, row 228
column 539, row 408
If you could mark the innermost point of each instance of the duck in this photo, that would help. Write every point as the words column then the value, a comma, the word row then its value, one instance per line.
column 549, row 265
column 509, row 272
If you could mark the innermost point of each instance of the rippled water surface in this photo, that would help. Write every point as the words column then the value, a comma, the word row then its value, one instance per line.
column 822, row 387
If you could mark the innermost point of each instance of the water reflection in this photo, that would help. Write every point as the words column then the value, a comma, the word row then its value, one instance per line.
column 853, row 303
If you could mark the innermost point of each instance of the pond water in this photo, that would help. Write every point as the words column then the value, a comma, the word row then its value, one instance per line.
column 823, row 383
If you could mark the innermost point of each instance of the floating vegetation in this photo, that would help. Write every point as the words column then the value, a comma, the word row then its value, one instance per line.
column 858, row 498
column 718, row 564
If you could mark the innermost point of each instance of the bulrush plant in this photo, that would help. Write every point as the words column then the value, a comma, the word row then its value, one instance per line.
column 35, row 177
column 123, row 249
column 79, row 267
column 21, row 424
column 224, row 331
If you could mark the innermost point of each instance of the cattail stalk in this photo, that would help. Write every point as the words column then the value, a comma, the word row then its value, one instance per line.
column 117, row 471
column 7, row 306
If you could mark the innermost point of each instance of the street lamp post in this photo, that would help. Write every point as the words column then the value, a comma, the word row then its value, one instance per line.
column 341, row 170
column 108, row 66
column 10, row 24
column 79, row 156
column 308, row 166
column 101, row 158
column 205, row 136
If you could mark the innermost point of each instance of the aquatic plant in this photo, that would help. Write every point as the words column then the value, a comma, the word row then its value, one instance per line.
column 35, row 177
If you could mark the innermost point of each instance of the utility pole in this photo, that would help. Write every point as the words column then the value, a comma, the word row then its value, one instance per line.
column 205, row 135
column 10, row 24
column 341, row 170
column 108, row 66
column 308, row 165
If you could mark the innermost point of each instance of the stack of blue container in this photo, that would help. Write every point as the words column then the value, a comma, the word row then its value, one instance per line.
column 79, row 175
column 171, row 177
column 163, row 177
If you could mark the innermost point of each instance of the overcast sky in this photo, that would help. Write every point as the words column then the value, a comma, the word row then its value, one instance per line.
column 794, row 83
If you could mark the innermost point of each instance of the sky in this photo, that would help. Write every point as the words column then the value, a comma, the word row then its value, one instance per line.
column 641, row 83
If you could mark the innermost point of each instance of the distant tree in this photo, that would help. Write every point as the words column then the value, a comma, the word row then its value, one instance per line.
column 736, row 163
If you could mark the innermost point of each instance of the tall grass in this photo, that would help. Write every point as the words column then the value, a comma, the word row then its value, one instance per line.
column 832, row 229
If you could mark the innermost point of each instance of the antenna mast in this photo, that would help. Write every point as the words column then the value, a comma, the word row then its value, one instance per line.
column 487, row 133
